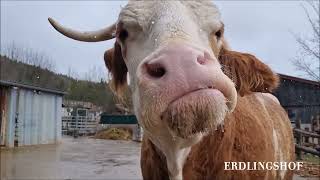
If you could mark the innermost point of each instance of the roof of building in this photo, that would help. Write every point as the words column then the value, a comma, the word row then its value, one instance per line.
column 31, row 87
column 283, row 76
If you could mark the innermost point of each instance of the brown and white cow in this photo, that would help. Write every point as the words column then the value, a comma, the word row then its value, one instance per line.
column 200, row 103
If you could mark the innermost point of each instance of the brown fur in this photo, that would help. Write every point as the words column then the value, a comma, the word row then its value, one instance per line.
column 115, row 63
column 247, row 137
column 248, row 73
column 150, row 160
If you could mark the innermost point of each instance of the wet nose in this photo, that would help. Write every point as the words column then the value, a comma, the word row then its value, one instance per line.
column 174, row 62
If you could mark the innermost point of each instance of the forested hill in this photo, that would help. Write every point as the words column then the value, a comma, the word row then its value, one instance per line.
column 96, row 92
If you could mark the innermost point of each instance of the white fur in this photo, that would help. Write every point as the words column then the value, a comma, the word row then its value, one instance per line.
column 175, row 149
column 152, row 25
column 263, row 96
column 278, row 153
column 271, row 96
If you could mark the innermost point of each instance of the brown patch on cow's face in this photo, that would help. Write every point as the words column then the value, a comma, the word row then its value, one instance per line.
column 247, row 72
column 115, row 63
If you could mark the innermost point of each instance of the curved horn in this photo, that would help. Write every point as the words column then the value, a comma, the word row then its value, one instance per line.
column 90, row 36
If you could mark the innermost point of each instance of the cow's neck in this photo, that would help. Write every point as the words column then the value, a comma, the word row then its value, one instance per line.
column 175, row 149
column 175, row 161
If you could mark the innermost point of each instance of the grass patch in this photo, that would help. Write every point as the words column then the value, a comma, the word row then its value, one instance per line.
column 311, row 159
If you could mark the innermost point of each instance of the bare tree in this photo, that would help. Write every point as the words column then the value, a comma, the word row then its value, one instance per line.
column 72, row 73
column 308, row 59
column 96, row 74
column 28, row 56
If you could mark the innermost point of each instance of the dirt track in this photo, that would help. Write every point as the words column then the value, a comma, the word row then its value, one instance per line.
column 81, row 158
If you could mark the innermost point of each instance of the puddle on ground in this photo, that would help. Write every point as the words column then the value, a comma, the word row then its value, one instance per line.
column 82, row 158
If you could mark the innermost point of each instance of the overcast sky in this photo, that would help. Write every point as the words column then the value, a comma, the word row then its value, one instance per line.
column 261, row 28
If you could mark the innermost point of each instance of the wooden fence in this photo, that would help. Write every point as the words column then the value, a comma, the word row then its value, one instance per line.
column 307, row 140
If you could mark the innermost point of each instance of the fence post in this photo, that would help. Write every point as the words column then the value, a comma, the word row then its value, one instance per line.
column 313, row 120
column 299, row 138
column 75, row 132
column 317, row 119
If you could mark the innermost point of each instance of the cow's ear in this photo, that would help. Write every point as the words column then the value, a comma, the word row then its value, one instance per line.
column 115, row 63
column 247, row 72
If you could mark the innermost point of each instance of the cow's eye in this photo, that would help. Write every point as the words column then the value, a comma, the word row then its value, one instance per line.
column 218, row 34
column 123, row 35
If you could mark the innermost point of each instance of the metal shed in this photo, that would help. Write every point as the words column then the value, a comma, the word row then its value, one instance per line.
column 30, row 115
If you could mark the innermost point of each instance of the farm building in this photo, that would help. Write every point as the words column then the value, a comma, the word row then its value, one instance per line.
column 29, row 115
column 300, row 98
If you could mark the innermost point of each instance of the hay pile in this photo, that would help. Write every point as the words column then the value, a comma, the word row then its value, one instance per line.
column 115, row 134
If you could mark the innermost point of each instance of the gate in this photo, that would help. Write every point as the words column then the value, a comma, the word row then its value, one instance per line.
column 78, row 125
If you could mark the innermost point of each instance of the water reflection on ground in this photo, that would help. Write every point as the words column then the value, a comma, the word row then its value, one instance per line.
column 81, row 158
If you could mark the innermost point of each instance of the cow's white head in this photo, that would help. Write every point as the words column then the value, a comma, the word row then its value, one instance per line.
column 175, row 54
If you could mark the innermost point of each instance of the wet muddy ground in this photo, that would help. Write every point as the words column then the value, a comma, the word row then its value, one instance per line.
column 82, row 158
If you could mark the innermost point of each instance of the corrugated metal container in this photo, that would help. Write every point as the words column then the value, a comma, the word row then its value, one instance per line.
column 118, row 119
column 32, row 116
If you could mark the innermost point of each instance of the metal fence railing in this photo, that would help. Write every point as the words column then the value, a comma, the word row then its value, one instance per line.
column 79, row 125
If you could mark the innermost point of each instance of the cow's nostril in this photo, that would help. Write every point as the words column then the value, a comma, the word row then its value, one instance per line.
column 155, row 70
column 201, row 60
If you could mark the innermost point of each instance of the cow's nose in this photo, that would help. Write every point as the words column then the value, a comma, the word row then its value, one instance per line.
column 155, row 70
column 177, row 64
column 160, row 67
